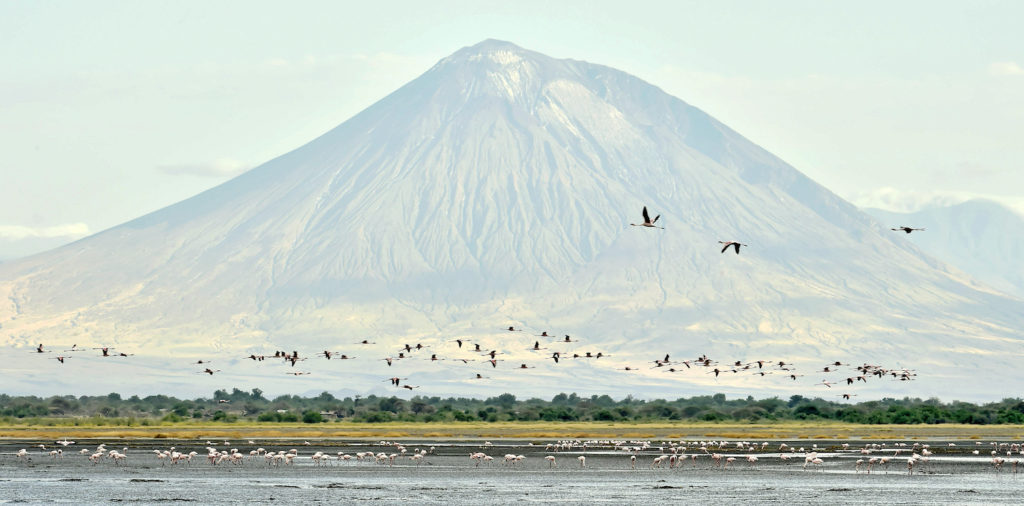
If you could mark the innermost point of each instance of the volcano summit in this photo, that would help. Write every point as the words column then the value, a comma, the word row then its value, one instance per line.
column 497, row 190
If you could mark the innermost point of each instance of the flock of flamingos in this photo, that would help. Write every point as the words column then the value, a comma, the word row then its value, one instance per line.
column 610, row 454
column 546, row 346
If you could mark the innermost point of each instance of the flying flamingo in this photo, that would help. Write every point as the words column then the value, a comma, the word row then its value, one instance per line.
column 734, row 244
column 905, row 229
column 648, row 222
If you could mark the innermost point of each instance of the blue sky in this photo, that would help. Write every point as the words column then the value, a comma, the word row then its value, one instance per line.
column 111, row 109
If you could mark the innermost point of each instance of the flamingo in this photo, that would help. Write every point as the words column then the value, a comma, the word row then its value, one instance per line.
column 905, row 229
column 551, row 461
column 734, row 244
column 648, row 222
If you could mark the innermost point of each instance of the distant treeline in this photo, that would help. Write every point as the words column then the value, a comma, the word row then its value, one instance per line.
column 239, row 405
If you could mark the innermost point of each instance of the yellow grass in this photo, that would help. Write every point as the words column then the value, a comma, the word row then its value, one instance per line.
column 521, row 430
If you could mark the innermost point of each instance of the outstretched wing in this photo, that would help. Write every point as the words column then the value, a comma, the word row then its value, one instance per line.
column 737, row 246
column 655, row 219
column 726, row 246
column 647, row 218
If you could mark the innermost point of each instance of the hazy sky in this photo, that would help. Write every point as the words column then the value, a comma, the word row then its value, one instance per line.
column 112, row 109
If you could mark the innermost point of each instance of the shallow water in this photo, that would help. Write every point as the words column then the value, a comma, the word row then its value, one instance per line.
column 448, row 475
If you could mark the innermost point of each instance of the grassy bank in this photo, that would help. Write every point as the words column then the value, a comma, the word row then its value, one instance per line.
column 519, row 430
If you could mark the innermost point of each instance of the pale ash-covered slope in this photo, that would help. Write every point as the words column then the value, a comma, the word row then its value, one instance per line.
column 981, row 237
column 497, row 188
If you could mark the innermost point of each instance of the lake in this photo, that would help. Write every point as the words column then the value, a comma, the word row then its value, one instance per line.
column 446, row 474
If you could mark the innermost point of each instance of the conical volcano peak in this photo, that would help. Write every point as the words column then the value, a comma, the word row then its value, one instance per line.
column 500, row 69
column 497, row 51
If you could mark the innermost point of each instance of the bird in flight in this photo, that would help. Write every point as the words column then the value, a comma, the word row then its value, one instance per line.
column 648, row 222
column 905, row 229
column 733, row 244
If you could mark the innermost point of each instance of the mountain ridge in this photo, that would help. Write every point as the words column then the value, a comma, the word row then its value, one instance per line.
column 496, row 189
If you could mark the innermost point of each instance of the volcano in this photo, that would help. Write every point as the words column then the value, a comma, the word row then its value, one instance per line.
column 497, row 190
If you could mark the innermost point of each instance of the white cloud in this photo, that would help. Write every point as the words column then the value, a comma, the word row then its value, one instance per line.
column 1005, row 68
column 67, row 230
column 908, row 201
column 222, row 167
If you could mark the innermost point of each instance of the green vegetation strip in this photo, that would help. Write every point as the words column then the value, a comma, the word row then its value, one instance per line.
column 237, row 413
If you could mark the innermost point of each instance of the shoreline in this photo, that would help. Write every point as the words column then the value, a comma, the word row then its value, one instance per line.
column 522, row 430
